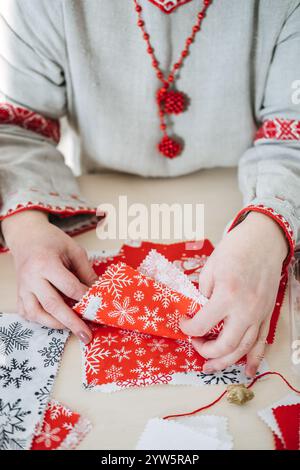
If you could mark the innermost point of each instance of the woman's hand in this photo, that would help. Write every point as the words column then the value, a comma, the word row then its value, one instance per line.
column 241, row 280
column 48, row 262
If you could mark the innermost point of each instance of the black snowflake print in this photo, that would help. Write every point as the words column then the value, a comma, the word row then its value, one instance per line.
column 52, row 331
column 11, row 421
column 16, row 373
column 52, row 353
column 15, row 337
column 226, row 376
column 43, row 393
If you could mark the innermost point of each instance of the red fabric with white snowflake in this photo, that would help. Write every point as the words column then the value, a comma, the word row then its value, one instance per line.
column 140, row 343
column 129, row 358
column 61, row 429
column 123, row 297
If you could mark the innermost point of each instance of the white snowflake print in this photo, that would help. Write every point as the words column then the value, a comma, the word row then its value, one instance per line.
column 150, row 318
column 94, row 353
column 121, row 354
column 94, row 303
column 190, row 366
column 48, row 435
column 157, row 345
column 56, row 409
column 138, row 295
column 133, row 336
column 193, row 308
column 115, row 280
column 123, row 312
column 168, row 359
column 185, row 347
column 140, row 352
column 68, row 426
column 109, row 339
column 142, row 280
column 164, row 295
column 114, row 373
column 145, row 369
column 173, row 321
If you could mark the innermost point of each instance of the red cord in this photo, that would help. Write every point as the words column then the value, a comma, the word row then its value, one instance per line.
column 224, row 393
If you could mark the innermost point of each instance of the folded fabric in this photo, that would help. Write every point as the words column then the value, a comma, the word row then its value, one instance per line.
column 124, row 297
column 30, row 358
column 62, row 429
column 193, row 433
column 189, row 257
column 283, row 418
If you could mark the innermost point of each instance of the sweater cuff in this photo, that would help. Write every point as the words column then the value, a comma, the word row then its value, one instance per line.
column 69, row 212
column 278, row 211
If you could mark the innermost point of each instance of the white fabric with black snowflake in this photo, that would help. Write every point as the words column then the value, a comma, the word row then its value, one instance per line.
column 29, row 359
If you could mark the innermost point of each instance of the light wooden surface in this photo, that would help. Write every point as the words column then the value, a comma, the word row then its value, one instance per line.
column 119, row 418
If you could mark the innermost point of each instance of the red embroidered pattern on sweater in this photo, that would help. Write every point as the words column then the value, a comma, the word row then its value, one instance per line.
column 168, row 6
column 22, row 117
column 279, row 129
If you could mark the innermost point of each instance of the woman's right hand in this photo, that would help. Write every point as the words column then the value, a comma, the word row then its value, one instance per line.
column 48, row 262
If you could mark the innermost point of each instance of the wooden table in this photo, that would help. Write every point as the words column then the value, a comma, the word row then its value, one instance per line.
column 119, row 418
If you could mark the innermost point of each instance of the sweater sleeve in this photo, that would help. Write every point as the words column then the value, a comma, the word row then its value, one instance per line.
column 33, row 174
column 269, row 172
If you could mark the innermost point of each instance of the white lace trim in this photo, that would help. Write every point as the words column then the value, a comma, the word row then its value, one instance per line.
column 156, row 266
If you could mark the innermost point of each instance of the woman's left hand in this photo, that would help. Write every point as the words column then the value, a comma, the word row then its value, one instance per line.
column 241, row 280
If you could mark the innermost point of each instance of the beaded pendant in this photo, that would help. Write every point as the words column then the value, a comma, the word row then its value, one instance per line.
column 170, row 101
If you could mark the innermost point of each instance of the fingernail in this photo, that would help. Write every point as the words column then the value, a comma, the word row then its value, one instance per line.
column 208, row 370
column 84, row 337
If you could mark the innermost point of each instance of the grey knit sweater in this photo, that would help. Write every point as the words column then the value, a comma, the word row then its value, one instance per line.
column 86, row 59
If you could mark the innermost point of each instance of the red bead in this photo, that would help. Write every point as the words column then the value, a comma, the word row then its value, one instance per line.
column 154, row 63
column 184, row 53
column 163, row 127
column 207, row 2
column 146, row 36
column 189, row 41
column 138, row 8
column 140, row 23
column 168, row 147
column 196, row 29
column 177, row 66
column 160, row 75
column 161, row 94
column 201, row 15
column 150, row 50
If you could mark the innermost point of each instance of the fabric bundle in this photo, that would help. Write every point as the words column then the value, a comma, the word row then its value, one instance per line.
column 135, row 309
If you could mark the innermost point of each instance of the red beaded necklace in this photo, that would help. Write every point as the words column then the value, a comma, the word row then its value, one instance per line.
column 169, row 100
